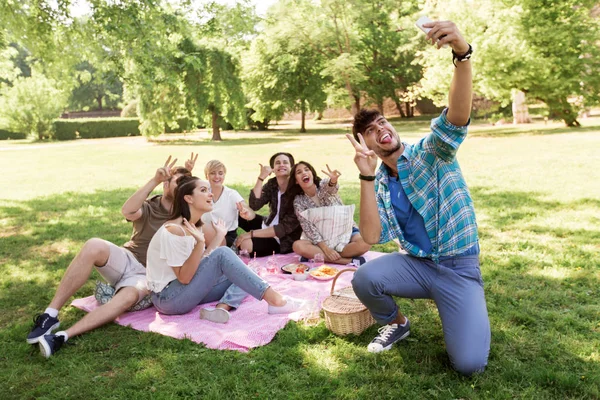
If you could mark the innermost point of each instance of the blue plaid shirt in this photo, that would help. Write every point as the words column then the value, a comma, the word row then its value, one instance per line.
column 435, row 186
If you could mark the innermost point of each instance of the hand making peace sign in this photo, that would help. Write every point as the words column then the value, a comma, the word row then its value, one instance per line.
column 365, row 159
column 189, row 164
column 164, row 173
column 333, row 175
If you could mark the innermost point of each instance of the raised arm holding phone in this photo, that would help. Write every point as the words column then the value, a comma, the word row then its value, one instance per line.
column 419, row 197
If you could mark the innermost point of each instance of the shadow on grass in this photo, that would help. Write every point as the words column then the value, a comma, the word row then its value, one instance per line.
column 542, row 326
column 508, row 208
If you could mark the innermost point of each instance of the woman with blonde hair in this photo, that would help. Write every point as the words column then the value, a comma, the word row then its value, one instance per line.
column 226, row 201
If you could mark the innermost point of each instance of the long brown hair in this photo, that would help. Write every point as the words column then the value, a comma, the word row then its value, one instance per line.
column 181, row 208
column 293, row 188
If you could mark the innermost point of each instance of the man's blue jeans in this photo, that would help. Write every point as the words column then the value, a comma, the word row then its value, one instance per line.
column 454, row 284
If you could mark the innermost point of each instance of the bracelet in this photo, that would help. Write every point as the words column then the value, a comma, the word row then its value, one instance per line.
column 251, row 234
column 366, row 177
column 261, row 179
column 331, row 184
column 462, row 57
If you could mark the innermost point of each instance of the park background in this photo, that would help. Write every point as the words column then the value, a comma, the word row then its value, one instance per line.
column 238, row 81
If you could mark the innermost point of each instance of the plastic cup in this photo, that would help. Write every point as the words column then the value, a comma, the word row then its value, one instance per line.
column 319, row 259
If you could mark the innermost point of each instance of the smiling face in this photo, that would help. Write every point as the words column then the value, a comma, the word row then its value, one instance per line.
column 201, row 198
column 282, row 166
column 381, row 137
column 216, row 177
column 304, row 176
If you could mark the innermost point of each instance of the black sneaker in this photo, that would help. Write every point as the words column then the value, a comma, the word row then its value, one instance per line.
column 50, row 344
column 43, row 324
column 388, row 335
column 358, row 261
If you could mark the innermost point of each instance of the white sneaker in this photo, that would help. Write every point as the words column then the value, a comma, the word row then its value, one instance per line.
column 218, row 315
column 292, row 305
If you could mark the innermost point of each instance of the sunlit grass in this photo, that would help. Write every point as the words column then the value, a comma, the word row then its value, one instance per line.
column 536, row 194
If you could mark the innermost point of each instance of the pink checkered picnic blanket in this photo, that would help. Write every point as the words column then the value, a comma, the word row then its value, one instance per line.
column 250, row 325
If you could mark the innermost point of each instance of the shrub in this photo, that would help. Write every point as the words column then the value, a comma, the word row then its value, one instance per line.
column 31, row 104
column 89, row 128
column 65, row 129
column 4, row 135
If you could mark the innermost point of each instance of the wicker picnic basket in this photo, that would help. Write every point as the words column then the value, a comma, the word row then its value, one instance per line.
column 344, row 313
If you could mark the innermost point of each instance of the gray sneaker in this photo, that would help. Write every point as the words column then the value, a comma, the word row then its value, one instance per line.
column 388, row 335
column 218, row 315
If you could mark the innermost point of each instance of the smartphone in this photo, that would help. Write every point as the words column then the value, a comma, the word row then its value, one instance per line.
column 423, row 20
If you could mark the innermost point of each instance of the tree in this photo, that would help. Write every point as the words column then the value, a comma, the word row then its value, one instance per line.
column 326, row 29
column 212, row 86
column 363, row 53
column 387, row 52
column 31, row 104
column 8, row 70
column 549, row 52
column 283, row 74
column 95, row 88
column 170, row 72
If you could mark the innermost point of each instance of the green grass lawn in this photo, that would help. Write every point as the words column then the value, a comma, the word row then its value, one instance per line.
column 537, row 195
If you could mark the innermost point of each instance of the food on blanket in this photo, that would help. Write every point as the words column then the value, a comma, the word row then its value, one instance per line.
column 324, row 271
column 293, row 267
column 300, row 274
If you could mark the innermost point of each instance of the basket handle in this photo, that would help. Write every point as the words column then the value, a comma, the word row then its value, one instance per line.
column 338, row 275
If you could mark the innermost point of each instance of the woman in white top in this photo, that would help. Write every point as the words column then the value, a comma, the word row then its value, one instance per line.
column 186, row 267
column 226, row 201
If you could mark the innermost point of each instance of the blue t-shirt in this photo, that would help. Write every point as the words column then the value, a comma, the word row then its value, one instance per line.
column 410, row 221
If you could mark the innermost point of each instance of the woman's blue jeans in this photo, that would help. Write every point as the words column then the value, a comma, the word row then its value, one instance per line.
column 220, row 276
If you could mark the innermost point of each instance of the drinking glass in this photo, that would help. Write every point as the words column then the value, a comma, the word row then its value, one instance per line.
column 244, row 256
column 272, row 266
column 319, row 259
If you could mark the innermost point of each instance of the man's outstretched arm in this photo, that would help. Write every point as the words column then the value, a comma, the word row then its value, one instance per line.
column 132, row 208
column 461, row 87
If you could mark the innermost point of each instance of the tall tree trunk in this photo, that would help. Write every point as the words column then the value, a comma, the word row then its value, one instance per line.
column 319, row 116
column 519, row 108
column 562, row 109
column 355, row 104
column 410, row 112
column 355, row 99
column 380, row 106
column 399, row 107
column 216, row 136
column 99, row 101
column 303, row 111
